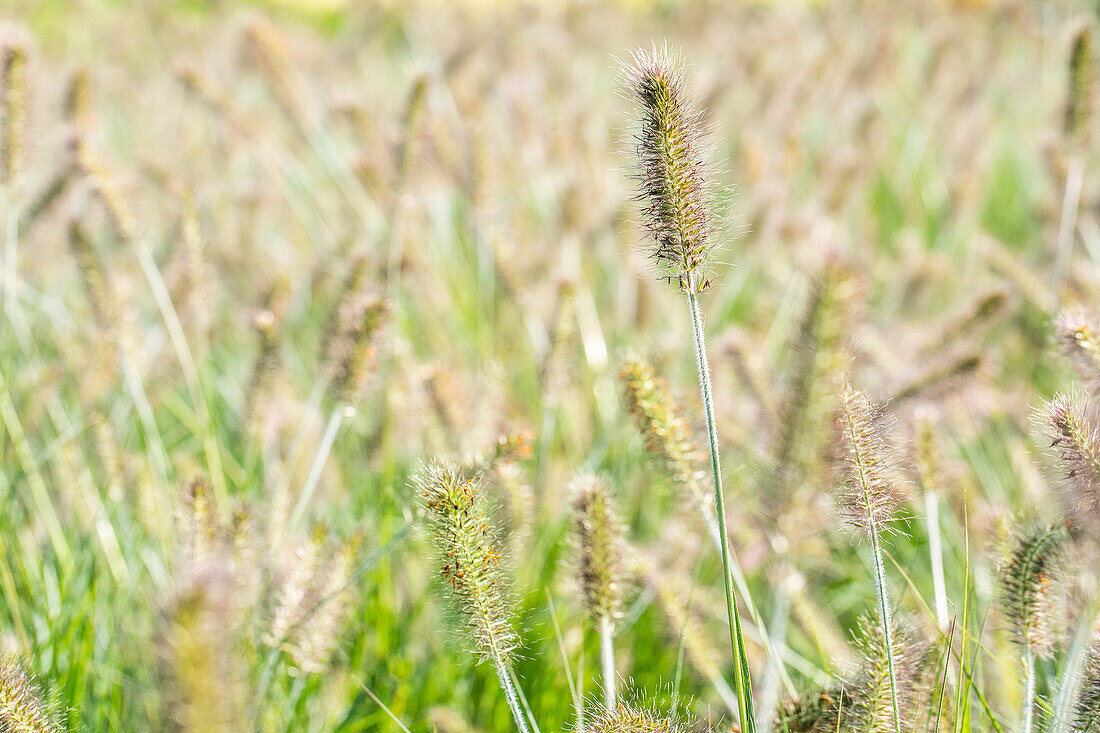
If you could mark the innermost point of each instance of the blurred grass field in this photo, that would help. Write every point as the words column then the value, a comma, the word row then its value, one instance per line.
column 231, row 175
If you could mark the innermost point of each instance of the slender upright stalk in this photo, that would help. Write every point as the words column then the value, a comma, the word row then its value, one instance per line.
column 887, row 629
column 1029, row 692
column 510, row 693
column 1070, row 684
column 743, row 684
column 935, row 553
column 1067, row 225
column 607, row 661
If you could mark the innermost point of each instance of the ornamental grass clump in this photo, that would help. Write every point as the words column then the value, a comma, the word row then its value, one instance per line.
column 675, row 190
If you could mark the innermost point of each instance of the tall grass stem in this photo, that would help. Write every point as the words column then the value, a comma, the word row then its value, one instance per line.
column 1029, row 692
column 607, row 660
column 741, row 675
column 935, row 552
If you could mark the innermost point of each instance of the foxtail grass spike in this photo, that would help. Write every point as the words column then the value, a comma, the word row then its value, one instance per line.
column 21, row 707
column 414, row 113
column 600, row 567
column 1078, row 335
column 629, row 718
column 1076, row 438
column 77, row 105
column 351, row 354
column 13, row 87
column 887, row 687
column 470, row 568
column 599, row 547
column 672, row 173
column 1086, row 711
column 1030, row 588
column 673, row 186
column 869, row 499
column 201, row 625
column 1082, row 81
column 665, row 432
column 1030, row 602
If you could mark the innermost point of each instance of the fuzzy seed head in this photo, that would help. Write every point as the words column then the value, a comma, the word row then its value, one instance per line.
column 351, row 354
column 666, row 433
column 871, row 707
column 869, row 496
column 199, row 651
column 628, row 718
column 1074, row 435
column 469, row 560
column 816, row 712
column 1030, row 588
column 599, row 547
column 77, row 105
column 21, row 706
column 862, row 700
column 1082, row 79
column 1086, row 711
column 673, row 180
column 1078, row 337
column 13, row 87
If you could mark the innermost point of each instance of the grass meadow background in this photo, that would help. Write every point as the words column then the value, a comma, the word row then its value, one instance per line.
column 205, row 517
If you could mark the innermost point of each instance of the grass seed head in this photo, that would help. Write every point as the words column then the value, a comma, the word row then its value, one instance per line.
column 1030, row 588
column 674, row 183
column 468, row 557
column 869, row 496
column 1082, row 80
column 599, row 547
column 871, row 708
column 13, row 112
column 21, row 707
column 199, row 651
column 1086, row 711
column 666, row 433
column 1074, row 435
column 629, row 718
column 1078, row 337
column 350, row 356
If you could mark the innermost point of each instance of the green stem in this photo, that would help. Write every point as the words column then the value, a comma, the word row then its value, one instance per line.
column 607, row 658
column 737, row 641
column 1070, row 684
column 510, row 692
column 887, row 631
column 1029, row 691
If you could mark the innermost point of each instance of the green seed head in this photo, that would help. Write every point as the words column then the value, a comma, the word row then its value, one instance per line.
column 599, row 547
column 674, row 181
column 1030, row 587
column 468, row 557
